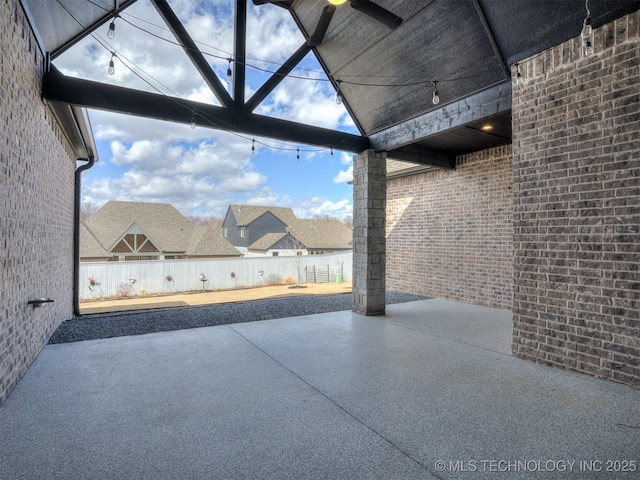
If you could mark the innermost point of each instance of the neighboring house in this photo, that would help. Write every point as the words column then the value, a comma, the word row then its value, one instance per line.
column 148, row 231
column 272, row 231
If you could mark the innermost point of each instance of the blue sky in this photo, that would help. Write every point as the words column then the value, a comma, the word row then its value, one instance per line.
column 202, row 170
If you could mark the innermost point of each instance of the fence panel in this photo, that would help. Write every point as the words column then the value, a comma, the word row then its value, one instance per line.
column 166, row 276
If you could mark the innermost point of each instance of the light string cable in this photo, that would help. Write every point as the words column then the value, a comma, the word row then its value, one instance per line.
column 225, row 56
column 211, row 120
column 348, row 79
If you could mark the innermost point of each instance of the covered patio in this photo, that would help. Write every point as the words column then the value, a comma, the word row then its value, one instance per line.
column 429, row 390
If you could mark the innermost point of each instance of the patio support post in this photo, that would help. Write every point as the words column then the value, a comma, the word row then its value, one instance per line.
column 369, row 244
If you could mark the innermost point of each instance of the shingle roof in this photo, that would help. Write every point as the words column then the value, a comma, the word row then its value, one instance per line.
column 168, row 228
column 208, row 240
column 312, row 233
column 267, row 241
column 89, row 245
column 165, row 226
column 245, row 214
column 322, row 233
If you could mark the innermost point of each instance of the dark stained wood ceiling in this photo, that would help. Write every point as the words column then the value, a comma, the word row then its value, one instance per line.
column 386, row 74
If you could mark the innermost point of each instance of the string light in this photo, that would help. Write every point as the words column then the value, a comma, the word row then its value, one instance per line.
column 587, row 33
column 253, row 146
column 111, row 33
column 298, row 155
column 436, row 98
column 208, row 119
column 338, row 92
column 229, row 72
column 193, row 120
column 519, row 80
column 421, row 80
column 112, row 68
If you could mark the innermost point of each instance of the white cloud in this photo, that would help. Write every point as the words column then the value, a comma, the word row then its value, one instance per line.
column 305, row 101
column 319, row 206
column 346, row 158
column 200, row 171
column 344, row 176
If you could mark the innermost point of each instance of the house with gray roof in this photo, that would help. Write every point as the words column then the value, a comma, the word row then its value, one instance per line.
column 149, row 231
column 272, row 231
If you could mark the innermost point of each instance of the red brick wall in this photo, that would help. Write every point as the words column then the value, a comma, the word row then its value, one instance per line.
column 450, row 234
column 576, row 131
column 36, row 204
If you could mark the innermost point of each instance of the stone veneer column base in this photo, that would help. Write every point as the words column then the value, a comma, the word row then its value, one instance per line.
column 369, row 244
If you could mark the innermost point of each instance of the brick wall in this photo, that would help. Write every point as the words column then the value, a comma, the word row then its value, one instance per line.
column 450, row 234
column 36, row 204
column 577, row 206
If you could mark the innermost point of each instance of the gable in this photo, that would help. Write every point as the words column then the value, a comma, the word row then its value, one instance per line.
column 134, row 242
column 168, row 228
column 268, row 219
column 229, row 219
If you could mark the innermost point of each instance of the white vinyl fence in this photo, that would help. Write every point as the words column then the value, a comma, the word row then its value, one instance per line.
column 167, row 276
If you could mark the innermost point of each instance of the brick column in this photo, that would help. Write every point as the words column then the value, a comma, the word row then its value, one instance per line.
column 369, row 207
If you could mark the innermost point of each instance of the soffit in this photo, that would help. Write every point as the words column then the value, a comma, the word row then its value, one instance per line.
column 465, row 46
column 60, row 23
column 385, row 75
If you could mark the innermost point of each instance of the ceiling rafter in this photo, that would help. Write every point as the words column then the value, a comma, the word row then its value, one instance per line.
column 119, row 6
column 277, row 77
column 240, row 53
column 491, row 37
column 85, row 93
column 193, row 52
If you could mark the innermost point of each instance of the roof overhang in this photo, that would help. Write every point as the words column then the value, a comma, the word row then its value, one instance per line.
column 386, row 75
column 76, row 125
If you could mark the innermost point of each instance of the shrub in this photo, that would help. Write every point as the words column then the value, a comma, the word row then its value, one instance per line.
column 125, row 289
column 273, row 279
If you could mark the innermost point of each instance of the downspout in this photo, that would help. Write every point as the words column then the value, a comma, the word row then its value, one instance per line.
column 76, row 233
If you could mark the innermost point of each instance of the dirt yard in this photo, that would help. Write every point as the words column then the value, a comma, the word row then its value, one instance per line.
column 209, row 297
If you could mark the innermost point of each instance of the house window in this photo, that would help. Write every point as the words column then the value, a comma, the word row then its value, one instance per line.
column 243, row 232
column 298, row 253
column 226, row 232
column 274, row 254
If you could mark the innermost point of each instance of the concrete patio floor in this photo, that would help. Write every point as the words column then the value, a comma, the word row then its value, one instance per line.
column 429, row 390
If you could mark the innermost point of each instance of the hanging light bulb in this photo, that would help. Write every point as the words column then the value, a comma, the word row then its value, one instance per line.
column 253, row 147
column 519, row 80
column 112, row 68
column 339, row 98
column 587, row 33
column 332, row 151
column 298, row 156
column 436, row 98
column 193, row 120
column 111, row 33
column 229, row 72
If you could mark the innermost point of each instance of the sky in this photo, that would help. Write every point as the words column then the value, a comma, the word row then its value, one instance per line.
column 202, row 170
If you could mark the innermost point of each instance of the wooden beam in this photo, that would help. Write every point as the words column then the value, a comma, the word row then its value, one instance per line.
column 193, row 52
column 492, row 39
column 277, row 77
column 484, row 104
column 240, row 53
column 84, row 93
